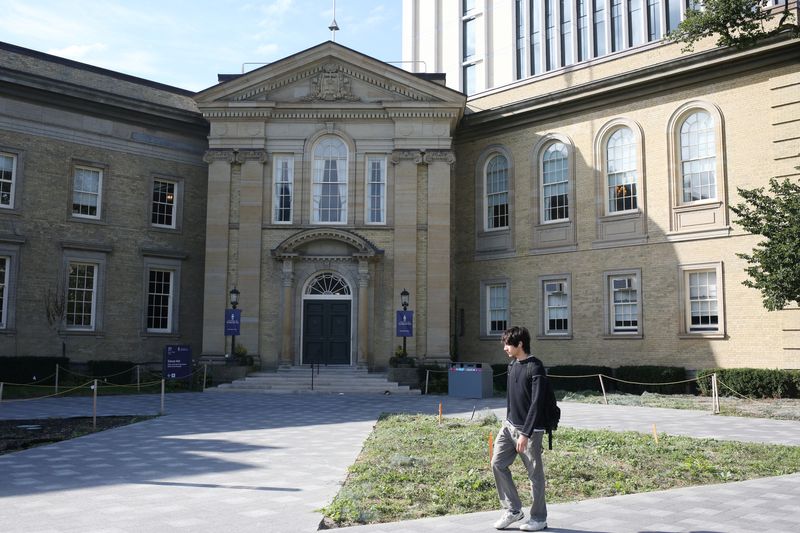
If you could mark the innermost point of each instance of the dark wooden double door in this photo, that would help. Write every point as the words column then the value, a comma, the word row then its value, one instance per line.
column 326, row 332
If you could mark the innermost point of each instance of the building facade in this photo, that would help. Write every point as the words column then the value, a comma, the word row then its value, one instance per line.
column 596, row 165
column 582, row 187
column 102, row 211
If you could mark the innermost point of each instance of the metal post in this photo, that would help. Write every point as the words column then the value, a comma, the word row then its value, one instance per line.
column 94, row 406
column 714, row 394
column 138, row 378
column 603, row 388
column 205, row 373
column 1, row 391
column 162, row 396
column 56, row 378
column 427, row 375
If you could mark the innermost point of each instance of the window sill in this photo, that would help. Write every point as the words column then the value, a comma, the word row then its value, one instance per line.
column 160, row 335
column 80, row 333
column 567, row 337
column 490, row 337
column 712, row 336
column 622, row 336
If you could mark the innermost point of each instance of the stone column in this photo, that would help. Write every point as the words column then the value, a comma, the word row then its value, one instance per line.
column 287, row 314
column 363, row 314
column 215, row 282
column 251, row 201
column 405, row 228
column 438, row 259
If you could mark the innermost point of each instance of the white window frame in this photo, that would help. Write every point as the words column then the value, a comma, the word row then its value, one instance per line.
column 486, row 217
column 12, row 182
column 93, row 300
column 368, row 189
column 280, row 180
column 543, row 209
column 173, row 205
column 99, row 194
column 631, row 156
column 487, row 306
column 685, row 273
column 633, row 279
column 551, row 285
column 169, row 296
column 317, row 186
column 710, row 160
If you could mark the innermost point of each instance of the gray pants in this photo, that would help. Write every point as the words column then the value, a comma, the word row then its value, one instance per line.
column 504, row 454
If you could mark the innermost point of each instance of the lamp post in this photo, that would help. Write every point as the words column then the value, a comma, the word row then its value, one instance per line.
column 404, row 302
column 234, row 304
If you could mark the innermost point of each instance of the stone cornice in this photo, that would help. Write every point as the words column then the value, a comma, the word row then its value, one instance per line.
column 406, row 155
column 252, row 155
column 439, row 156
column 290, row 248
column 219, row 154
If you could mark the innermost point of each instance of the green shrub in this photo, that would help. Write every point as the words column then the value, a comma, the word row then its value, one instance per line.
column 751, row 382
column 652, row 375
column 574, row 384
column 437, row 379
column 112, row 370
column 22, row 369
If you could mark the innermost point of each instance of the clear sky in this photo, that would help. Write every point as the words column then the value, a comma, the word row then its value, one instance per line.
column 186, row 43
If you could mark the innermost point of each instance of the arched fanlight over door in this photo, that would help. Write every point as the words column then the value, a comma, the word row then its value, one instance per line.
column 328, row 284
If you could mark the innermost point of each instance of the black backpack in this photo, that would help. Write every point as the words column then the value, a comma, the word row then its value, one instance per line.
column 552, row 412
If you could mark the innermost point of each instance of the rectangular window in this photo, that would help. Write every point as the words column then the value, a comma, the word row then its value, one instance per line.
column 600, row 28
column 164, row 199
column 550, row 34
column 86, row 192
column 497, row 311
column 8, row 174
column 4, row 275
column 470, row 79
column 673, row 14
column 284, row 189
column 519, row 12
column 624, row 302
column 470, row 27
column 159, row 301
column 635, row 30
column 617, row 36
column 556, row 307
column 653, row 20
column 583, row 31
column 702, row 302
column 566, row 32
column 536, row 37
column 376, row 190
column 81, row 296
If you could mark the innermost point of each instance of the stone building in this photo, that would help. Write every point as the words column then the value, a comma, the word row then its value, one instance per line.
column 102, row 211
column 595, row 168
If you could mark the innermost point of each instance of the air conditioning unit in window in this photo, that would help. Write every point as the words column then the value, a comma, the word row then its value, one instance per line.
column 554, row 287
column 623, row 283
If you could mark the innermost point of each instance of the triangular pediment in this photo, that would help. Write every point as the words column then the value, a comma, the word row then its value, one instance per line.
column 328, row 74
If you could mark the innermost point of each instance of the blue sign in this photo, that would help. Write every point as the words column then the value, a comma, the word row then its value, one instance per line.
column 405, row 323
column 233, row 318
column 177, row 361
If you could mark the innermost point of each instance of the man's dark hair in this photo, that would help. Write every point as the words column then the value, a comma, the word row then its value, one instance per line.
column 514, row 335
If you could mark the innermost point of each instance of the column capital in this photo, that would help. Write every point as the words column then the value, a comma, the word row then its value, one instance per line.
column 219, row 154
column 399, row 156
column 439, row 156
column 243, row 156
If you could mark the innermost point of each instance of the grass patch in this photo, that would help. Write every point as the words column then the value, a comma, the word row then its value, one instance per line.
column 413, row 467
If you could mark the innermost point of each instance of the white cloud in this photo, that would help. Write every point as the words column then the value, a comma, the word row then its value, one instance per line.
column 268, row 50
column 80, row 52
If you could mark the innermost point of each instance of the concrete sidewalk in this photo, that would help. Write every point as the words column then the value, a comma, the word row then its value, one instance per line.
column 266, row 463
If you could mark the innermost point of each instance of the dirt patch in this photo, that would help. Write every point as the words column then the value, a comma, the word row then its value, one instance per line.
column 22, row 434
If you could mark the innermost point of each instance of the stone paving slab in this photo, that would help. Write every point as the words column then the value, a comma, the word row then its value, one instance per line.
column 266, row 463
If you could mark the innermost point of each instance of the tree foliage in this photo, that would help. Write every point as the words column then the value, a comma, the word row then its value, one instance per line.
column 775, row 262
column 737, row 23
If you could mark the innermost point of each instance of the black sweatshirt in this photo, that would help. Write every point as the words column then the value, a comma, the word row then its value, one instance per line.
column 525, row 398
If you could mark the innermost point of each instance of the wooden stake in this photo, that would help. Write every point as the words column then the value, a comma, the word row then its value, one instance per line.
column 655, row 434
column 94, row 406
column 491, row 447
column 440, row 412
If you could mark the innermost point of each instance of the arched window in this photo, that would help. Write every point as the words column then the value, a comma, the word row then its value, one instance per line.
column 698, row 158
column 555, row 183
column 621, row 175
column 329, row 187
column 497, row 192
column 328, row 284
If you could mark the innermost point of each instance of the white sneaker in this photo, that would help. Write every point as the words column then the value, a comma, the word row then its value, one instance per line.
column 508, row 518
column 533, row 525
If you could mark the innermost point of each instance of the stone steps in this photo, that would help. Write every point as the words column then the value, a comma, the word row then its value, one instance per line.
column 328, row 380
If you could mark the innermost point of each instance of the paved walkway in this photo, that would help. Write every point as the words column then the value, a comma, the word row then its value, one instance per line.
column 266, row 463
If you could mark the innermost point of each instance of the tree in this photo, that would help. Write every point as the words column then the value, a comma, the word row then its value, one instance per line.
column 737, row 23
column 775, row 262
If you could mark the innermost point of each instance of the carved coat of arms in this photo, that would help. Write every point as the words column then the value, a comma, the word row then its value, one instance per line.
column 331, row 84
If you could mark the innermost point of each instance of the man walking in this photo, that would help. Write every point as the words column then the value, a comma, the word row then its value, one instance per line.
column 521, row 433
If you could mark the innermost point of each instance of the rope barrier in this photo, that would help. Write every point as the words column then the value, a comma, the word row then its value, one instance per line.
column 49, row 395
